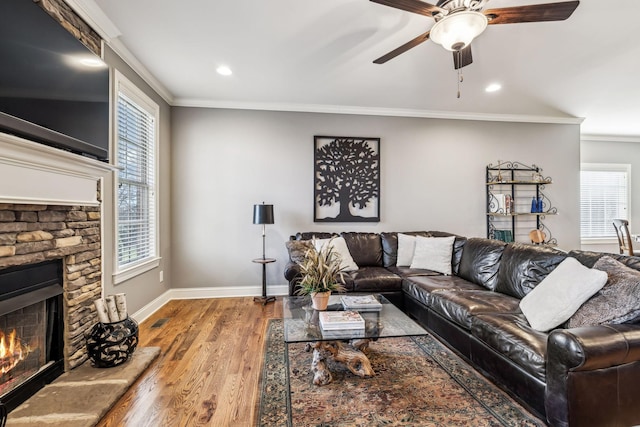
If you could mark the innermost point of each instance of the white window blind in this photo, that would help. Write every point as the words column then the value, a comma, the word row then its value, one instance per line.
column 604, row 196
column 136, row 137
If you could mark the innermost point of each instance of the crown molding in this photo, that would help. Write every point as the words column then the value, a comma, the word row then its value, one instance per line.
column 609, row 138
column 375, row 111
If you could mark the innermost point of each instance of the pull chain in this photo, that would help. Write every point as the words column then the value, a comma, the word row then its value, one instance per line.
column 460, row 80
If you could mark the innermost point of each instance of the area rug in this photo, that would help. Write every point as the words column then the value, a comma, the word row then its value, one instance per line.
column 418, row 382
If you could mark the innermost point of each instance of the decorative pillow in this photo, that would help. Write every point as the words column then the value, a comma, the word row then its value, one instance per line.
column 406, row 247
column 298, row 249
column 617, row 302
column 560, row 294
column 340, row 248
column 433, row 253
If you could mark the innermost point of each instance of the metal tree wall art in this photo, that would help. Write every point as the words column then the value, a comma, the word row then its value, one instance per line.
column 347, row 179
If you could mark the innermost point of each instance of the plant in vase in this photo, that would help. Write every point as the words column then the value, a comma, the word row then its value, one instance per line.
column 321, row 274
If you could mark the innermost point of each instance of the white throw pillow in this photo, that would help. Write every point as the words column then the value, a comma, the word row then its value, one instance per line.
column 433, row 253
column 340, row 248
column 561, row 294
column 406, row 246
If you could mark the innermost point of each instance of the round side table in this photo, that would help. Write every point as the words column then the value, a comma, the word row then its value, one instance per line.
column 264, row 299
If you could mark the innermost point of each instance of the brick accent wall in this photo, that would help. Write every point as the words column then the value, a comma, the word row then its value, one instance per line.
column 34, row 233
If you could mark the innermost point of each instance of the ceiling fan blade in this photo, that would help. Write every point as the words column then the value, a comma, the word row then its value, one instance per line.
column 531, row 13
column 415, row 6
column 462, row 57
column 402, row 49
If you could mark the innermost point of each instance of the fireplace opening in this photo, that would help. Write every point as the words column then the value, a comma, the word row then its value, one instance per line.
column 31, row 330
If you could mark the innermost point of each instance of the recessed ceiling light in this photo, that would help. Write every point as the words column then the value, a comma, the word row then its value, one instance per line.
column 223, row 70
column 493, row 87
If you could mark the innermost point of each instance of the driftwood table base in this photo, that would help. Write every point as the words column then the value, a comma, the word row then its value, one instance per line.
column 351, row 354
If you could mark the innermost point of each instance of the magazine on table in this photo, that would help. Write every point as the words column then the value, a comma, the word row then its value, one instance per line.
column 360, row 302
column 336, row 320
column 343, row 334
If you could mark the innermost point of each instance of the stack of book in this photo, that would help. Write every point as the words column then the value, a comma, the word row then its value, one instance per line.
column 341, row 320
column 361, row 303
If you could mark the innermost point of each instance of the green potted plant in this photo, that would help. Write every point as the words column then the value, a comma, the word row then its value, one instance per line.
column 321, row 275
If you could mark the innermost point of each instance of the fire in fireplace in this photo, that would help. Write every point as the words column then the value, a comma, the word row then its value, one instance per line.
column 31, row 326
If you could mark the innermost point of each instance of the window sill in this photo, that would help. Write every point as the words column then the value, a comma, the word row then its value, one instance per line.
column 600, row 241
column 136, row 270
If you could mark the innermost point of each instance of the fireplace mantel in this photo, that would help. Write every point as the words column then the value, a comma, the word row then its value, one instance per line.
column 32, row 173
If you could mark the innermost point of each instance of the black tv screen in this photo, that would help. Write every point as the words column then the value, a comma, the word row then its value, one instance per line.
column 48, row 92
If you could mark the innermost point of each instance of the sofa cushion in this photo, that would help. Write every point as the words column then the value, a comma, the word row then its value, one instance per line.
column 458, row 246
column 433, row 253
column 365, row 248
column 617, row 302
column 409, row 272
column 340, row 248
column 460, row 306
column 406, row 249
column 298, row 249
column 390, row 246
column 375, row 279
column 523, row 267
column 560, row 294
column 421, row 287
column 310, row 235
column 589, row 258
column 510, row 335
column 480, row 261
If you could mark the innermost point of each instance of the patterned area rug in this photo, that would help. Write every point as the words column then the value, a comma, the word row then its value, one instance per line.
column 418, row 382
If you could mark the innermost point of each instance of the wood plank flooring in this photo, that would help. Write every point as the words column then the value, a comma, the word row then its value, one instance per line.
column 209, row 367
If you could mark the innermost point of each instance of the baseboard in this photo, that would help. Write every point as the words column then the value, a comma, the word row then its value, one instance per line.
column 199, row 293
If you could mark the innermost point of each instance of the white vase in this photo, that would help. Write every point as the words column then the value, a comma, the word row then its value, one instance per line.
column 320, row 300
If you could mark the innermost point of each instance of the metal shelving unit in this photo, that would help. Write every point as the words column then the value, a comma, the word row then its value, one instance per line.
column 512, row 216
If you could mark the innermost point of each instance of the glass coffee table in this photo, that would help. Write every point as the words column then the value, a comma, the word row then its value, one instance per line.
column 302, row 325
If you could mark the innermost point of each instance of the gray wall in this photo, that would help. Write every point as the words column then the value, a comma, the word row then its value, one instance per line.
column 617, row 152
column 432, row 177
column 146, row 287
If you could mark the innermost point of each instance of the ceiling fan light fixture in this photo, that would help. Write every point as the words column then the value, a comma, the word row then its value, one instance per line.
column 458, row 29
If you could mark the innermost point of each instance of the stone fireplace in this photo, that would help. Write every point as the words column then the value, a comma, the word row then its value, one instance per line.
column 32, row 234
column 51, row 213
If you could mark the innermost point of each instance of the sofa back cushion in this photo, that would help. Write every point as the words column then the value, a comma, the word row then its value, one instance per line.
column 523, row 267
column 365, row 248
column 589, row 258
column 310, row 235
column 480, row 261
column 458, row 246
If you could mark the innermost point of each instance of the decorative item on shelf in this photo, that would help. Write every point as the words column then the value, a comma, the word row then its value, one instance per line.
column 262, row 215
column 112, row 340
column 321, row 275
column 537, row 236
column 503, row 235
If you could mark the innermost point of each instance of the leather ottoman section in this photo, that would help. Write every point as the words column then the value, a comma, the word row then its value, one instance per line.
column 375, row 279
column 460, row 306
column 509, row 334
column 420, row 287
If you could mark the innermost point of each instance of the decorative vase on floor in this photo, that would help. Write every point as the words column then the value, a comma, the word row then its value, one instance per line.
column 112, row 344
column 320, row 300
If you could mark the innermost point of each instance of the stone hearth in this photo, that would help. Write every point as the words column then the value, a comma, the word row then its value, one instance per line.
column 34, row 233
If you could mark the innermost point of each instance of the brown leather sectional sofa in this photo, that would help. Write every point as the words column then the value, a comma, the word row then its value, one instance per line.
column 587, row 376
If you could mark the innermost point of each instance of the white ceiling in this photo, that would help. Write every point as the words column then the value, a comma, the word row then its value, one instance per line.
column 316, row 55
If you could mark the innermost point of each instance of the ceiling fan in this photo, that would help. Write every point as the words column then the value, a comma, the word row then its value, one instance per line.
column 458, row 22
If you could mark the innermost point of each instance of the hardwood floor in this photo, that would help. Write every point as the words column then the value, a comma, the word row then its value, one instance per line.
column 208, row 371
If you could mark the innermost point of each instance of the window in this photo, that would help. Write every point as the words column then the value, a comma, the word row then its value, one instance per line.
column 604, row 196
column 136, row 184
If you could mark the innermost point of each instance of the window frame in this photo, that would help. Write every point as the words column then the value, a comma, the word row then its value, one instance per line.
column 137, row 96
column 606, row 167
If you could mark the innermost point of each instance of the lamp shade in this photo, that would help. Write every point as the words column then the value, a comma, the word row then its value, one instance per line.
column 263, row 214
column 456, row 31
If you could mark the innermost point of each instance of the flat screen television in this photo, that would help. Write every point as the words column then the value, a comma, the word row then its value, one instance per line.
column 48, row 93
